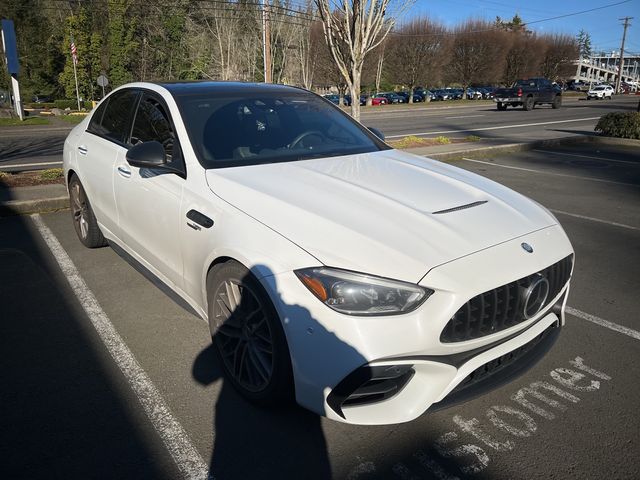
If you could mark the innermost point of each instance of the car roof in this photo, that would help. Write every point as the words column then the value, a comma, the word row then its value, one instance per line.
column 206, row 86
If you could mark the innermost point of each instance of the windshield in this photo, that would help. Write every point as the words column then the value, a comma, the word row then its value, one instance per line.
column 599, row 88
column 229, row 129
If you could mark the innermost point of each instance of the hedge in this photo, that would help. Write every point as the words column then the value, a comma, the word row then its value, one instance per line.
column 620, row 124
column 61, row 104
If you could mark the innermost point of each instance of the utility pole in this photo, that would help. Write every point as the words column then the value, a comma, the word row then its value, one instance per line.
column 624, row 36
column 266, row 41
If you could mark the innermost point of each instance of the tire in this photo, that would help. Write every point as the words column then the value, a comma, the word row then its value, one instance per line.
column 84, row 220
column 501, row 106
column 528, row 104
column 557, row 102
column 248, row 335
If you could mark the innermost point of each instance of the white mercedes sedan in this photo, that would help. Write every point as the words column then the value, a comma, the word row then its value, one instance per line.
column 366, row 283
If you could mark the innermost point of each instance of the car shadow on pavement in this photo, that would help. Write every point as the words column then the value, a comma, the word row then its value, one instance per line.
column 66, row 412
column 285, row 441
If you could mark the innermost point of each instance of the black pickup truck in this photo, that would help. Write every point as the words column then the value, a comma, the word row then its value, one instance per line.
column 529, row 93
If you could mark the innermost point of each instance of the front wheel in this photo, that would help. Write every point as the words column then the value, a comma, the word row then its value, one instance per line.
column 248, row 335
column 557, row 102
column 84, row 221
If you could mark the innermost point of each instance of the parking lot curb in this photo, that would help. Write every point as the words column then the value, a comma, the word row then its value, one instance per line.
column 490, row 151
column 25, row 207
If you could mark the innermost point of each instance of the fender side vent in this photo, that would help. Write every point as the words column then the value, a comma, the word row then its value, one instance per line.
column 461, row 207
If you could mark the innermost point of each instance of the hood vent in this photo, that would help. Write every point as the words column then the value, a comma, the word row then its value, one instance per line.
column 461, row 207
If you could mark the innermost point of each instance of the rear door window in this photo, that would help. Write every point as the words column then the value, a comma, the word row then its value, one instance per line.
column 116, row 120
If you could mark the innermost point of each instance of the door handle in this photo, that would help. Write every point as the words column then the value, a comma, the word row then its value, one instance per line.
column 124, row 171
column 82, row 149
column 199, row 218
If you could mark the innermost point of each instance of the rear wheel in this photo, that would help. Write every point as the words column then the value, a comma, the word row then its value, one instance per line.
column 528, row 104
column 248, row 335
column 557, row 102
column 501, row 106
column 84, row 221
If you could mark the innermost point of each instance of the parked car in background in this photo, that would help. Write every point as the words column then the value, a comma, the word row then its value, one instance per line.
column 600, row 92
column 364, row 282
column 487, row 92
column 335, row 99
column 455, row 93
column 417, row 98
column 377, row 100
column 441, row 94
column 427, row 95
column 41, row 99
column 392, row 97
column 474, row 94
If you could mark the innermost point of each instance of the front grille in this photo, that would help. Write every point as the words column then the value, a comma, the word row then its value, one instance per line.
column 502, row 308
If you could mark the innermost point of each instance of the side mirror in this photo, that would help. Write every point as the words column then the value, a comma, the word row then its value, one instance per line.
column 377, row 133
column 147, row 155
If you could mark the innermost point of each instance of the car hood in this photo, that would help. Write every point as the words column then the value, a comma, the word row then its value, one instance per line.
column 386, row 213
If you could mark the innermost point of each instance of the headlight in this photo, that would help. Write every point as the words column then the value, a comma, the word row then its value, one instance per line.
column 360, row 294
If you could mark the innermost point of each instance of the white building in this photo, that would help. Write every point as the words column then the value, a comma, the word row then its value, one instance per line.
column 604, row 68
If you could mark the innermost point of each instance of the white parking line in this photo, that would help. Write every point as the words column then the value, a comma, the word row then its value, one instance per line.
column 592, row 219
column 482, row 129
column 586, row 156
column 493, row 164
column 465, row 116
column 172, row 433
column 603, row 323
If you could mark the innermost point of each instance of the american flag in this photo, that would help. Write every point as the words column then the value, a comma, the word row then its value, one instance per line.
column 74, row 52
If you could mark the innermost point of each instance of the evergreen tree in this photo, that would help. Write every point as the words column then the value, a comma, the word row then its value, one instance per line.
column 122, row 44
column 584, row 43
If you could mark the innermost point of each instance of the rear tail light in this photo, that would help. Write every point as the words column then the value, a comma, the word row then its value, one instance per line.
column 519, row 92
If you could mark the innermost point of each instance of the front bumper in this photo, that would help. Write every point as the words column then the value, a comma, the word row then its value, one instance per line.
column 327, row 348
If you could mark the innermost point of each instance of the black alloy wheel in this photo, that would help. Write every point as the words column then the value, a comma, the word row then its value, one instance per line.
column 84, row 221
column 248, row 335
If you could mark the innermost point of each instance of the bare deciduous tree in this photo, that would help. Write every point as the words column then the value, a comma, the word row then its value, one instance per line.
column 417, row 52
column 560, row 51
column 477, row 54
column 352, row 29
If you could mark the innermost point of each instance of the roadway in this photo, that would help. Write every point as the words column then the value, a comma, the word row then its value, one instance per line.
column 37, row 147
column 70, row 412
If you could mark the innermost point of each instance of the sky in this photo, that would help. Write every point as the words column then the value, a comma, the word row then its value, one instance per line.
column 603, row 25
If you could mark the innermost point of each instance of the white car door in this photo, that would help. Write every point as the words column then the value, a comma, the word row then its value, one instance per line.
column 98, row 150
column 149, row 199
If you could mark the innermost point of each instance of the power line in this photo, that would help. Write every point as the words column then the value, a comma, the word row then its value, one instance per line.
column 525, row 24
column 578, row 13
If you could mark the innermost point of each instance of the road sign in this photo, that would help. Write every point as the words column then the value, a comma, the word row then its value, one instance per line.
column 11, row 52
column 10, row 47
column 103, row 81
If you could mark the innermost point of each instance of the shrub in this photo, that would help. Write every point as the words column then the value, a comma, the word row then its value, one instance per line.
column 442, row 140
column 620, row 124
column 51, row 174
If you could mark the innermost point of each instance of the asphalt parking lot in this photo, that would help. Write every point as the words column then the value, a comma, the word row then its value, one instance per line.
column 107, row 375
